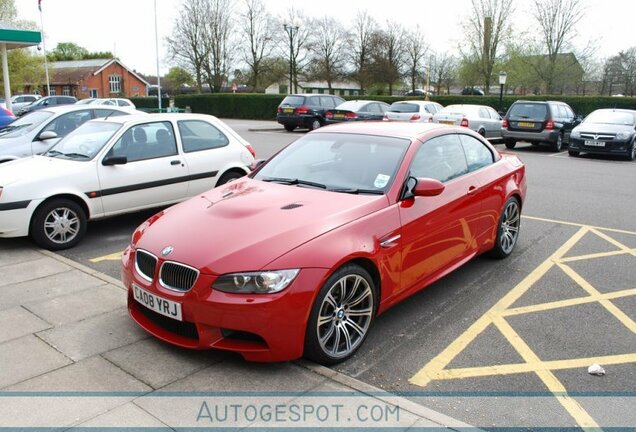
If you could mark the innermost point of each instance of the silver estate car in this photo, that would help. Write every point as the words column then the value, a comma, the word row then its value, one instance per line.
column 480, row 118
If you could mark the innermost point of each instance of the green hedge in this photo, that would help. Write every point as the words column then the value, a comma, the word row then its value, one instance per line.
column 149, row 102
column 263, row 106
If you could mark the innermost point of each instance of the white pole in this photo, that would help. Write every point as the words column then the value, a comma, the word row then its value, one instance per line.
column 46, row 63
column 157, row 55
column 5, row 75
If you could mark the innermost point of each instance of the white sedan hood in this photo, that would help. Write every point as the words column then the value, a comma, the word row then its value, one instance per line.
column 41, row 169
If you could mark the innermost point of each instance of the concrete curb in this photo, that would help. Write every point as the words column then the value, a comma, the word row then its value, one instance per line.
column 333, row 375
column 265, row 129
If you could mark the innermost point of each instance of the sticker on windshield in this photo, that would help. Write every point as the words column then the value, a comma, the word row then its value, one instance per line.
column 381, row 180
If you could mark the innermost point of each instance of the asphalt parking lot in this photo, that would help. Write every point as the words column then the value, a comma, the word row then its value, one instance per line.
column 502, row 343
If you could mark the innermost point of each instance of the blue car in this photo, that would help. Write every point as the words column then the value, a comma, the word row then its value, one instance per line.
column 6, row 117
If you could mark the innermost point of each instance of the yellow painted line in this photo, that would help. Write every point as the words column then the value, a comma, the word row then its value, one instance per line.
column 578, row 225
column 553, row 384
column 615, row 242
column 567, row 303
column 443, row 359
column 112, row 257
column 517, row 368
column 607, row 304
column 598, row 255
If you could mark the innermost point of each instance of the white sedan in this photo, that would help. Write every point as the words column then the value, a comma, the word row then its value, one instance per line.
column 113, row 166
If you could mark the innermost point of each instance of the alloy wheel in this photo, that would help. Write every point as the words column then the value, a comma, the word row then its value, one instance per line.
column 510, row 226
column 61, row 225
column 345, row 315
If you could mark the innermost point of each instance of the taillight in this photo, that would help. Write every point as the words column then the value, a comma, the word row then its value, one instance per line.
column 430, row 119
column 416, row 117
column 302, row 110
column 464, row 122
column 504, row 123
column 549, row 125
column 329, row 114
column 251, row 150
column 280, row 110
column 350, row 115
column 386, row 117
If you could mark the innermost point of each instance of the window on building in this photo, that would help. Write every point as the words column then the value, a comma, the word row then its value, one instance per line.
column 93, row 93
column 53, row 92
column 66, row 91
column 115, row 83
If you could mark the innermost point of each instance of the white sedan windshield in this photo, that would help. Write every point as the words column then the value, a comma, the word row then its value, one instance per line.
column 25, row 124
column 85, row 142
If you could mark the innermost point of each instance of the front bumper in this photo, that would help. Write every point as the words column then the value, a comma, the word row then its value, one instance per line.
column 610, row 147
column 15, row 218
column 262, row 328
column 549, row 136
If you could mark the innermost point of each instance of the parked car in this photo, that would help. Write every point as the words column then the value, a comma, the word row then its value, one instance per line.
column 36, row 132
column 415, row 111
column 6, row 117
column 480, row 118
column 539, row 122
column 45, row 102
column 418, row 92
column 85, row 101
column 300, row 256
column 126, row 103
column 20, row 101
column 113, row 166
column 472, row 91
column 305, row 110
column 356, row 110
column 606, row 131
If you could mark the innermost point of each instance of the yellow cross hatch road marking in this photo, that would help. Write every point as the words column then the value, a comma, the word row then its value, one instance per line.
column 436, row 368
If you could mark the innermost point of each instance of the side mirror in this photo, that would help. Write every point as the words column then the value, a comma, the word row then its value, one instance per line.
column 428, row 187
column 114, row 160
column 47, row 135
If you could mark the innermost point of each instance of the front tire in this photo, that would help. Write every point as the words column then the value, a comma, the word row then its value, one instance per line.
column 315, row 124
column 507, row 229
column 573, row 153
column 58, row 224
column 510, row 144
column 632, row 154
column 341, row 315
column 228, row 177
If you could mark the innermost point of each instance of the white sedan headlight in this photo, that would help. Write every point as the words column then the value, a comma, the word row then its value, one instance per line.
column 261, row 282
column 575, row 134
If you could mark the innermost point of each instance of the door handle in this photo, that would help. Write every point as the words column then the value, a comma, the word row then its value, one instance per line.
column 175, row 162
column 472, row 190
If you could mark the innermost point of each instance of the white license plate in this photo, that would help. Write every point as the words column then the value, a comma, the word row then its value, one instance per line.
column 594, row 143
column 158, row 304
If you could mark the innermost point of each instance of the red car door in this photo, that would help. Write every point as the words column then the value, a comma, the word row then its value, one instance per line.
column 439, row 233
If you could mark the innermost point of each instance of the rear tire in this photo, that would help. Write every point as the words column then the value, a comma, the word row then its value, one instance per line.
column 482, row 133
column 315, row 124
column 290, row 128
column 510, row 144
column 507, row 229
column 558, row 145
column 58, row 224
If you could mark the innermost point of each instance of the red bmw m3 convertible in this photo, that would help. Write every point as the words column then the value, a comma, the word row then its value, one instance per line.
column 299, row 257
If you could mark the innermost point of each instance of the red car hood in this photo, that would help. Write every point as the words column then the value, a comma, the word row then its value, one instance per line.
column 247, row 224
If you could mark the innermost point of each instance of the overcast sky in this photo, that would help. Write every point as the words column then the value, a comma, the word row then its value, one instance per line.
column 126, row 27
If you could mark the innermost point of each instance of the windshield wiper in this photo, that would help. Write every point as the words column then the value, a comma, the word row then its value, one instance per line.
column 357, row 191
column 76, row 155
column 294, row 181
column 53, row 153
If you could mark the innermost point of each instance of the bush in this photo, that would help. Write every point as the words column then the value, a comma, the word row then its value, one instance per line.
column 147, row 103
column 258, row 106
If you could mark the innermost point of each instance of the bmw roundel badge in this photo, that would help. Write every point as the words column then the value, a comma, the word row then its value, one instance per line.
column 167, row 250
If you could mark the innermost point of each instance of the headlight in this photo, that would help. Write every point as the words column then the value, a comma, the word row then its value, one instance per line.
column 261, row 282
column 575, row 134
column 623, row 135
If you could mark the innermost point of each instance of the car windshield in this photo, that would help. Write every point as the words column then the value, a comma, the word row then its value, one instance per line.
column 348, row 163
column 528, row 111
column 25, row 124
column 85, row 142
column 611, row 117
column 294, row 101
column 85, row 101
column 401, row 107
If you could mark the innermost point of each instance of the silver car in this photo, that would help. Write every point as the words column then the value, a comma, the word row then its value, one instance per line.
column 415, row 111
column 480, row 118
column 36, row 132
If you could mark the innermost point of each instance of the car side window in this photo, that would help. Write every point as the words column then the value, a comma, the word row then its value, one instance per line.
column 374, row 108
column 440, row 158
column 483, row 113
column 146, row 141
column 327, row 102
column 430, row 109
column 477, row 154
column 67, row 123
column 197, row 135
column 569, row 112
column 494, row 114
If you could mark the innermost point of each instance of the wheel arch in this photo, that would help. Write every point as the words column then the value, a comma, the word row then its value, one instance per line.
column 69, row 196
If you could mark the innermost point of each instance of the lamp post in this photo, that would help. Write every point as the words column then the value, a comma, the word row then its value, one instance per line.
column 502, row 83
column 291, row 29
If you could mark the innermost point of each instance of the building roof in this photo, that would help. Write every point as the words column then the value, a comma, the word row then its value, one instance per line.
column 71, row 72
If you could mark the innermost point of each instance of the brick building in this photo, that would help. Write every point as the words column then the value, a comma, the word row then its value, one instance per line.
column 94, row 78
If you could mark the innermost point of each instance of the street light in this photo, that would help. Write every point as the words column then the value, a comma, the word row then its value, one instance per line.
column 291, row 28
column 502, row 83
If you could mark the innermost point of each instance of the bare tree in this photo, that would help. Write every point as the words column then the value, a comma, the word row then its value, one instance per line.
column 444, row 70
column 328, row 50
column 258, row 29
column 186, row 45
column 364, row 27
column 388, row 54
column 557, row 20
column 8, row 12
column 295, row 43
column 486, row 30
column 415, row 50
column 217, row 33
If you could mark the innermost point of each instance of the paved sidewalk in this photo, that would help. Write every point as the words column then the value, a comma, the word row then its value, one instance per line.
column 70, row 356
